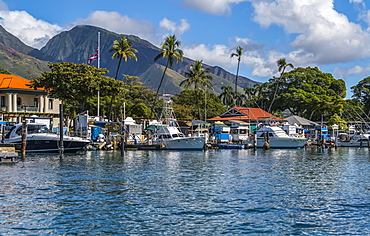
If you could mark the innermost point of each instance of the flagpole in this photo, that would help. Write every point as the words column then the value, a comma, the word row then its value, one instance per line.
column 98, row 67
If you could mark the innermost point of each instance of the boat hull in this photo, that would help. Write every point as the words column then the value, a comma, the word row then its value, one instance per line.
column 283, row 143
column 189, row 143
column 353, row 144
column 51, row 145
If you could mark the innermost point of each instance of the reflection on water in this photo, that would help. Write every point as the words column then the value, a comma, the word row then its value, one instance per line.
column 281, row 192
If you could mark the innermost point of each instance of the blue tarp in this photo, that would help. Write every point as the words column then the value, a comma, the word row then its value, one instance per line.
column 95, row 131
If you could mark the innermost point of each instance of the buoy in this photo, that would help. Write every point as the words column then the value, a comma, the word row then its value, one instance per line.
column 266, row 145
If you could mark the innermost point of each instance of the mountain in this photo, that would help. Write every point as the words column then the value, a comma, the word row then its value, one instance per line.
column 79, row 43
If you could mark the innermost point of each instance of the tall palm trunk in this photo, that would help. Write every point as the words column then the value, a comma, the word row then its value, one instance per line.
column 236, row 78
column 113, row 96
column 160, row 83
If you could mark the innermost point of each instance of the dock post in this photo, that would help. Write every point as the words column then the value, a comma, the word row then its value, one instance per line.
column 24, row 139
column 61, row 132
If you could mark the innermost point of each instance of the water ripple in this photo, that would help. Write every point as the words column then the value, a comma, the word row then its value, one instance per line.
column 228, row 192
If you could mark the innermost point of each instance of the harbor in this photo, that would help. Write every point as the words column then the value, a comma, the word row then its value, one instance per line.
column 241, row 191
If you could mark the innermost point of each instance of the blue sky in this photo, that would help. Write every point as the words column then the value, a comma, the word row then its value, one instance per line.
column 333, row 35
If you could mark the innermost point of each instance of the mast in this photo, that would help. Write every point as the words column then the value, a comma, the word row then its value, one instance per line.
column 98, row 109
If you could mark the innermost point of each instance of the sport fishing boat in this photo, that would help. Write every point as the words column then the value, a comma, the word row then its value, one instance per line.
column 40, row 139
column 276, row 137
column 169, row 136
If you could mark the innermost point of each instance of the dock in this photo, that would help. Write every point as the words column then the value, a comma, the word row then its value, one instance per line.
column 8, row 155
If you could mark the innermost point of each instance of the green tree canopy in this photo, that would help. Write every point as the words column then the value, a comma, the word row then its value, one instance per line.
column 198, row 77
column 74, row 83
column 310, row 93
column 361, row 92
column 170, row 50
column 122, row 50
column 185, row 107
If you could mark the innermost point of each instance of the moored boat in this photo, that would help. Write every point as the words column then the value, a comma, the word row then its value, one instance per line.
column 276, row 137
column 40, row 139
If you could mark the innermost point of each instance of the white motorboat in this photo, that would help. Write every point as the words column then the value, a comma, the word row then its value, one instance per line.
column 40, row 139
column 276, row 137
column 170, row 138
column 355, row 140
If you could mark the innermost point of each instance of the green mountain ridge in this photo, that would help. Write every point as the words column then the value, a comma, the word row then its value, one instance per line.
column 79, row 43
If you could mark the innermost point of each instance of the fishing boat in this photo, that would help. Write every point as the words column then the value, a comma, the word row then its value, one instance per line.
column 355, row 140
column 169, row 137
column 276, row 137
column 40, row 139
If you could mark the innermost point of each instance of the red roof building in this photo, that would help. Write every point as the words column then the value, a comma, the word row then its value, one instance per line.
column 247, row 114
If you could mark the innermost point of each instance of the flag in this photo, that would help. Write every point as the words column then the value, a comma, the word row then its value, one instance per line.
column 93, row 56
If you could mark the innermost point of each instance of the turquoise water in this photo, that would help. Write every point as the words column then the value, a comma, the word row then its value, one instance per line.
column 230, row 192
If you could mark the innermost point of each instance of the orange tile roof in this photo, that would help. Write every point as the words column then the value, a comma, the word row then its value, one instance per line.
column 15, row 82
column 245, row 113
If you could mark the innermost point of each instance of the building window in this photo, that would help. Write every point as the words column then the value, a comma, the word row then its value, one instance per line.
column 2, row 101
column 50, row 103
column 19, row 101
column 36, row 102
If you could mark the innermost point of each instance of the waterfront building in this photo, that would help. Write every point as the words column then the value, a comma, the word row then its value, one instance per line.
column 16, row 96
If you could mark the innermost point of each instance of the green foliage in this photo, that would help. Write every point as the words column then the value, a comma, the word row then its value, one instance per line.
column 199, row 79
column 170, row 50
column 185, row 106
column 75, row 84
column 308, row 92
column 361, row 92
column 3, row 71
column 336, row 119
column 227, row 96
column 122, row 50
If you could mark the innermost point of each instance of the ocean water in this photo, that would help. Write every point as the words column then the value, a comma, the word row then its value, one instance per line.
column 215, row 192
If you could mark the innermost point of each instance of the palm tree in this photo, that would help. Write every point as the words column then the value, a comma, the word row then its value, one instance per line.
column 198, row 78
column 123, row 50
column 239, row 52
column 282, row 65
column 170, row 51
column 227, row 96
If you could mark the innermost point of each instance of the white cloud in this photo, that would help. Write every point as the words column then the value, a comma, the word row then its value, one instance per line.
column 356, row 1
column 324, row 35
column 29, row 30
column 214, row 7
column 357, row 70
column 118, row 23
column 171, row 26
column 220, row 55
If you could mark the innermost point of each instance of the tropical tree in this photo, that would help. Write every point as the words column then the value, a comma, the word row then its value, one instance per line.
column 170, row 51
column 122, row 50
column 361, row 92
column 227, row 96
column 198, row 78
column 75, row 84
column 282, row 65
column 185, row 108
column 310, row 93
column 239, row 53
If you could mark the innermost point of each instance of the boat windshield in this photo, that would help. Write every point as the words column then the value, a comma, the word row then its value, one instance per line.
column 33, row 129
